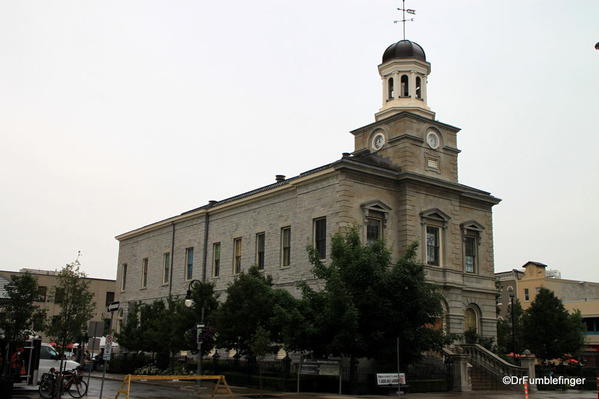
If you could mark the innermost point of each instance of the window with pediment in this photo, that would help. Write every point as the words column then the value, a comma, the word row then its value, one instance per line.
column 434, row 223
column 376, row 214
column 471, row 233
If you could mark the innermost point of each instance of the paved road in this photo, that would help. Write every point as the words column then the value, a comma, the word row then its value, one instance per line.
column 188, row 390
column 177, row 390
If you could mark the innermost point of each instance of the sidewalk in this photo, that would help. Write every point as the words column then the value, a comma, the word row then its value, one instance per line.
column 191, row 387
column 432, row 395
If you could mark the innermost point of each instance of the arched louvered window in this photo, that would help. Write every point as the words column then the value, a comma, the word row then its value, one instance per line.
column 405, row 92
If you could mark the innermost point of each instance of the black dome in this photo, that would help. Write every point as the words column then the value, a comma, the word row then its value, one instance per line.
column 404, row 49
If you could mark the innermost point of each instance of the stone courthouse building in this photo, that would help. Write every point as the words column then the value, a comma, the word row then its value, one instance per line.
column 399, row 184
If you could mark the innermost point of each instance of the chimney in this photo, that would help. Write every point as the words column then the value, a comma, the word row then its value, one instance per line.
column 280, row 178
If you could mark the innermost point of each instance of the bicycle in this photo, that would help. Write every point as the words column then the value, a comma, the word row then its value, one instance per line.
column 72, row 382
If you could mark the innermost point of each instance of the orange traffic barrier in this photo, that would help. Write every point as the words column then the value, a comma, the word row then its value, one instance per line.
column 221, row 385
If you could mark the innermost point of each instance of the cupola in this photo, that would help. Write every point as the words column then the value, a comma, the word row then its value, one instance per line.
column 404, row 73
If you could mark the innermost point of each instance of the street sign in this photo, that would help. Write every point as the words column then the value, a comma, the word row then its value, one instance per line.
column 320, row 367
column 391, row 379
column 114, row 306
column 95, row 329
column 108, row 347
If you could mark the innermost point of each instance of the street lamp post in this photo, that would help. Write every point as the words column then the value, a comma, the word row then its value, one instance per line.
column 199, row 339
column 511, row 291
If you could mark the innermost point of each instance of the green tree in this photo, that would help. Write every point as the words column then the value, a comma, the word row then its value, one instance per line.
column 504, row 330
column 367, row 303
column 76, row 304
column 18, row 313
column 253, row 305
column 163, row 328
column 205, row 304
column 131, row 334
column 260, row 346
column 549, row 331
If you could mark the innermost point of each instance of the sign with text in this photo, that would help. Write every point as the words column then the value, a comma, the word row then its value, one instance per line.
column 108, row 347
column 391, row 379
column 320, row 367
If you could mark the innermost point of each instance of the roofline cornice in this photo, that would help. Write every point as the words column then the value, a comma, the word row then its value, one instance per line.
column 345, row 163
column 405, row 114
column 465, row 191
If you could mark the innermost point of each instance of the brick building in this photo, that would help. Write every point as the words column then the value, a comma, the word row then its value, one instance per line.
column 104, row 292
column 399, row 184
column 576, row 295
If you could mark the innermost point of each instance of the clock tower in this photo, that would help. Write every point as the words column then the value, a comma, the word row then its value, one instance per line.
column 405, row 133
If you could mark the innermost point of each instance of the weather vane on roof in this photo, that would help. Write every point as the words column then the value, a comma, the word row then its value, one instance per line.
column 403, row 19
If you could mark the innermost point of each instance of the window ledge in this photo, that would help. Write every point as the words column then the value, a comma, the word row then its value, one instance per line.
column 143, row 288
column 285, row 267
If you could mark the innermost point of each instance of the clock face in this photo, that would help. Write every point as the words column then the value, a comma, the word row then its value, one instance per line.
column 378, row 141
column 432, row 139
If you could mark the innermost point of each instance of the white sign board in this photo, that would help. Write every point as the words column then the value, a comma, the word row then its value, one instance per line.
column 108, row 347
column 391, row 379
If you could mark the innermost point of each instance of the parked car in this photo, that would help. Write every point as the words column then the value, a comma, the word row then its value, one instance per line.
column 49, row 358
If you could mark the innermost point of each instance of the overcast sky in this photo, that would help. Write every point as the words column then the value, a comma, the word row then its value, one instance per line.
column 115, row 114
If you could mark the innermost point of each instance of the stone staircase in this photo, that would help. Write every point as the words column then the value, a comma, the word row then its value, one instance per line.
column 482, row 380
column 488, row 369
column 474, row 367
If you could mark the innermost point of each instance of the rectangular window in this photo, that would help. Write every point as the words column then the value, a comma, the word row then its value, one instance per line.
column 374, row 230
column 237, row 256
column 58, row 295
column 166, row 267
column 260, row 238
column 286, row 246
column 216, row 259
column 592, row 325
column 320, row 237
column 538, row 289
column 42, row 292
column 432, row 245
column 109, row 297
column 124, row 282
column 144, row 273
column 189, row 263
column 526, row 295
column 469, row 254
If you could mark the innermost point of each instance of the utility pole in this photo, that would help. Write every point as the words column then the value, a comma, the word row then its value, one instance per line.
column 200, row 340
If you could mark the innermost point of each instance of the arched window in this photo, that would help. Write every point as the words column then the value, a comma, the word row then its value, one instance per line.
column 405, row 92
column 442, row 320
column 418, row 87
column 390, row 89
column 470, row 320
